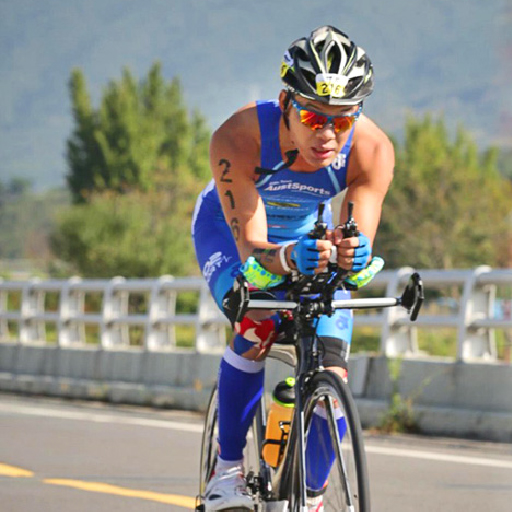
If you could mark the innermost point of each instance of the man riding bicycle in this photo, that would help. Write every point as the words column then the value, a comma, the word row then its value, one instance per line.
column 273, row 163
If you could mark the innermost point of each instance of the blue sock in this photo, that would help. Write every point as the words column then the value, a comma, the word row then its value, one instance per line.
column 319, row 450
column 240, row 389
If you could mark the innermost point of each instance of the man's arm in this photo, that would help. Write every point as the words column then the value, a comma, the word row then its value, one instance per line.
column 370, row 173
column 234, row 154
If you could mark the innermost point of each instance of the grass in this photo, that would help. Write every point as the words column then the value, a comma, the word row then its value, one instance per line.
column 438, row 342
column 399, row 418
column 365, row 339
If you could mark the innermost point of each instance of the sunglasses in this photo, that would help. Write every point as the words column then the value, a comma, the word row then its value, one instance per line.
column 316, row 121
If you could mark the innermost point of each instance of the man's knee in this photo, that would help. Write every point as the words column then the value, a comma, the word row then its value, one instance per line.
column 255, row 334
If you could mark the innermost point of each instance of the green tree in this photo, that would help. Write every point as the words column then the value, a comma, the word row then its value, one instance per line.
column 136, row 165
column 19, row 186
column 135, row 235
column 448, row 206
column 26, row 220
column 505, row 163
column 137, row 129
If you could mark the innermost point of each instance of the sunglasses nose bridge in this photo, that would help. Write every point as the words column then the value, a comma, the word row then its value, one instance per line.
column 327, row 130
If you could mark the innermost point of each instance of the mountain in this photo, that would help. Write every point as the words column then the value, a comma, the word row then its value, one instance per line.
column 439, row 56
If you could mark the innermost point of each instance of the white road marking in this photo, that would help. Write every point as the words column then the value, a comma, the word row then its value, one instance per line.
column 440, row 457
column 100, row 418
column 197, row 429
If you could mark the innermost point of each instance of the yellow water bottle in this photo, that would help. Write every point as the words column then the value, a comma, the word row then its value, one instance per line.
column 278, row 422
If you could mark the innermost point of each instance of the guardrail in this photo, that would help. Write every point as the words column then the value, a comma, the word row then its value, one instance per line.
column 473, row 320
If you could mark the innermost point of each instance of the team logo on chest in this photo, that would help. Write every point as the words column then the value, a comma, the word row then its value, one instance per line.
column 340, row 161
column 294, row 186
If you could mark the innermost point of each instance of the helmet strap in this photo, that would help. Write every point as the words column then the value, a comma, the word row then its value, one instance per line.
column 286, row 104
column 291, row 156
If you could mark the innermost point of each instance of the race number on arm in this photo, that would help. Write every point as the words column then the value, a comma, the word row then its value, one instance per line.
column 234, row 155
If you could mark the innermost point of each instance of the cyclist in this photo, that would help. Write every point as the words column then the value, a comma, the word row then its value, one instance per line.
column 273, row 162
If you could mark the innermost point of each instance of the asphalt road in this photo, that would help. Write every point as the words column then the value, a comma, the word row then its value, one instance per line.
column 80, row 456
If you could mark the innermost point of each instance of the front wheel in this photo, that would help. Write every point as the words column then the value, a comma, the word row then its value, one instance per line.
column 335, row 461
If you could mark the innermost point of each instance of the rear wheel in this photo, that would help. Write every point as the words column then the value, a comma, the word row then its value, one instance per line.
column 209, row 444
column 329, row 409
column 210, row 449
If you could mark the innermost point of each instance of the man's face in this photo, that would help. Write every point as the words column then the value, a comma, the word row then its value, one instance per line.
column 320, row 146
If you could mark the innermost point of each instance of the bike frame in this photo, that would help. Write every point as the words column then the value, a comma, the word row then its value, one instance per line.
column 309, row 298
column 292, row 470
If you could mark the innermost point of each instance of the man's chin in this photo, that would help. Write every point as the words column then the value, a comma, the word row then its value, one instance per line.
column 321, row 159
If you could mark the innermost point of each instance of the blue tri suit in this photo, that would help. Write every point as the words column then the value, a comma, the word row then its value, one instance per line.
column 291, row 200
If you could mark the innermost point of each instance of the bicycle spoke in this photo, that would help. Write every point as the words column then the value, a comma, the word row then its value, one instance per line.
column 340, row 451
column 339, row 458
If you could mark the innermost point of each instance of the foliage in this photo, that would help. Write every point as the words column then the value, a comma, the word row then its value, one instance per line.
column 136, row 166
column 26, row 219
column 448, row 206
column 135, row 235
column 399, row 418
column 505, row 163
column 137, row 130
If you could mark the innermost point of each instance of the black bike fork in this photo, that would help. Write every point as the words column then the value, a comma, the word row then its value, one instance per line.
column 301, row 438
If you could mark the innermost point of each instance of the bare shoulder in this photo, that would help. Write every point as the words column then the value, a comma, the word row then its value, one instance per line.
column 238, row 139
column 372, row 155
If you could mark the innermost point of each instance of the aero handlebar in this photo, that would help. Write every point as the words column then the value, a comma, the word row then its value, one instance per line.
column 411, row 299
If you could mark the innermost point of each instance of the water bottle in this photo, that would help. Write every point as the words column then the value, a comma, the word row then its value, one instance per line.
column 278, row 422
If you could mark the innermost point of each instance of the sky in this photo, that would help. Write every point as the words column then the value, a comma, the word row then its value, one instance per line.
column 440, row 56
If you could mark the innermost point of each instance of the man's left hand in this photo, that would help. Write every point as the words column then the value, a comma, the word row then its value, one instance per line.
column 353, row 253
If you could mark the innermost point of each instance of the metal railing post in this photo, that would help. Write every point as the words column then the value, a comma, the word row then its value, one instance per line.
column 162, row 303
column 477, row 302
column 32, row 305
column 4, row 323
column 115, row 305
column 71, row 330
column 397, row 339
column 211, row 335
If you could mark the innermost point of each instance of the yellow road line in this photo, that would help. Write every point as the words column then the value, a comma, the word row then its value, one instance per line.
column 171, row 499
column 14, row 472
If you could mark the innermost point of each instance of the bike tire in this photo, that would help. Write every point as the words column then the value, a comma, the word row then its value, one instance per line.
column 209, row 443
column 210, row 449
column 347, row 488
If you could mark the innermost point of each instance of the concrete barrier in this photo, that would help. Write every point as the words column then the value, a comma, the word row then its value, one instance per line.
column 454, row 399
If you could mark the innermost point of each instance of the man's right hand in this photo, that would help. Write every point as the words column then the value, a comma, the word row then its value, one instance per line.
column 311, row 256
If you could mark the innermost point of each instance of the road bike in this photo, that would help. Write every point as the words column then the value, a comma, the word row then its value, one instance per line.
column 282, row 487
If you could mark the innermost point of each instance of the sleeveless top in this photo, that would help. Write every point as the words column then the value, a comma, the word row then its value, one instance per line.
column 291, row 198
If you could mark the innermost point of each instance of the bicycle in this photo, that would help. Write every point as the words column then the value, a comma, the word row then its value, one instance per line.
column 283, row 488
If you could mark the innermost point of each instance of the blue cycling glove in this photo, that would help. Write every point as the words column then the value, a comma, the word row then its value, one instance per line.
column 362, row 253
column 306, row 255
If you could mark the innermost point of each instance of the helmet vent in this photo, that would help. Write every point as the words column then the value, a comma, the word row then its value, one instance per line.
column 334, row 60
column 310, row 76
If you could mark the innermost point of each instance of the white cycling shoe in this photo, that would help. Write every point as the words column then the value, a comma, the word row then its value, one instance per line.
column 315, row 504
column 227, row 489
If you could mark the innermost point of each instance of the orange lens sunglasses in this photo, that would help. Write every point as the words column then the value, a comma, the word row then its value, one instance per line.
column 316, row 121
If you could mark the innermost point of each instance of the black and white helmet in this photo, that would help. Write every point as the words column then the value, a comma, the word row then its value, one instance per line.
column 328, row 67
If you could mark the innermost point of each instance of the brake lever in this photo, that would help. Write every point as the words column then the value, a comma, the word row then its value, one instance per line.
column 348, row 230
column 412, row 297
